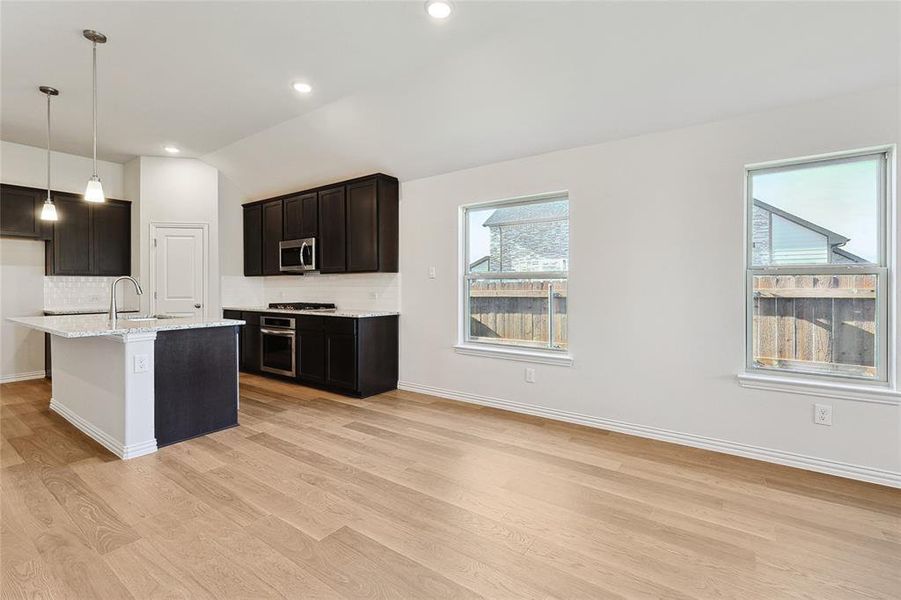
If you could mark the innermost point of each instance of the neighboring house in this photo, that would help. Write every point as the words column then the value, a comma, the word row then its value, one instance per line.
column 779, row 237
column 480, row 265
column 526, row 238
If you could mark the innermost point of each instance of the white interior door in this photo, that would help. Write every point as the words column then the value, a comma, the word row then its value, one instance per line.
column 178, row 271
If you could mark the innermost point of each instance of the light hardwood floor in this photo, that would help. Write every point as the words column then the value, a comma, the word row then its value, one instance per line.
column 409, row 496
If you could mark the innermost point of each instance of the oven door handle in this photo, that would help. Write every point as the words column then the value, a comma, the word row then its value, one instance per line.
column 277, row 332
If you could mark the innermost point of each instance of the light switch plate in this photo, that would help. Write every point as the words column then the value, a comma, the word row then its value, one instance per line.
column 142, row 363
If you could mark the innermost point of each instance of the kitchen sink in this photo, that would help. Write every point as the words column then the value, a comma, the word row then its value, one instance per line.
column 140, row 318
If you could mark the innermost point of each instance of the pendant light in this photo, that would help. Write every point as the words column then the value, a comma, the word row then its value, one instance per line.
column 94, row 190
column 48, row 211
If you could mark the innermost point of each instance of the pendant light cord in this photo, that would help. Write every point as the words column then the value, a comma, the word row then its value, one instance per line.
column 48, row 147
column 95, row 108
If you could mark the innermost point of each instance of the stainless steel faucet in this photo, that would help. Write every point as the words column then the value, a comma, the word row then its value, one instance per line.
column 113, row 308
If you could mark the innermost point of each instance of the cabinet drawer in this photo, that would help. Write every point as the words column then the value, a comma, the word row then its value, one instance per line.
column 340, row 325
column 308, row 323
column 231, row 314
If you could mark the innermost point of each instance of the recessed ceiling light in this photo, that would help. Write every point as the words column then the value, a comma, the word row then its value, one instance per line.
column 303, row 88
column 438, row 9
column 171, row 149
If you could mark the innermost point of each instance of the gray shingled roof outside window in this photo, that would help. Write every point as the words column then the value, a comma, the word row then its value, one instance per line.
column 525, row 213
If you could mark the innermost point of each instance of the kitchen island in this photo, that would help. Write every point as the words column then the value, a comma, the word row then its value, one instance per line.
column 140, row 383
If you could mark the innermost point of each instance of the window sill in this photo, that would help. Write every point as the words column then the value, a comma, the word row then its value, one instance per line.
column 842, row 391
column 548, row 358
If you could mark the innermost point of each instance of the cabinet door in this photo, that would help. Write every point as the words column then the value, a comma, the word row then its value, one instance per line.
column 111, row 238
column 272, row 235
column 310, row 215
column 301, row 216
column 362, row 227
column 341, row 360
column 72, row 237
column 311, row 356
column 250, row 349
column 20, row 212
column 293, row 217
column 332, row 232
column 253, row 240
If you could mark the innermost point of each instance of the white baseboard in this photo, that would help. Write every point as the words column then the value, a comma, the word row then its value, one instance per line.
column 780, row 457
column 113, row 445
column 22, row 376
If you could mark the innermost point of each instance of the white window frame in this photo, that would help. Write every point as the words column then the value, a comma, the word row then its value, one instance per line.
column 877, row 389
column 511, row 351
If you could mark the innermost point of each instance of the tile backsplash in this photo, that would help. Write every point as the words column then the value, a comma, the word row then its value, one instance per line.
column 69, row 293
column 237, row 290
column 361, row 291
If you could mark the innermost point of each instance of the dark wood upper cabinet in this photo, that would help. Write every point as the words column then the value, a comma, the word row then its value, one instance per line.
column 362, row 226
column 87, row 239
column 253, row 240
column 372, row 224
column 272, row 235
column 332, row 231
column 71, row 245
column 355, row 224
column 111, row 238
column 301, row 216
column 90, row 239
column 20, row 212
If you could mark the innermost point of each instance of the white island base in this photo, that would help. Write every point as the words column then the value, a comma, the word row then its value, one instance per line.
column 104, row 386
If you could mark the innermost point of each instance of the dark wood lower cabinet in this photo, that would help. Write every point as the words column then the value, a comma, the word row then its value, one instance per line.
column 310, row 357
column 341, row 360
column 251, row 349
column 354, row 356
column 195, row 382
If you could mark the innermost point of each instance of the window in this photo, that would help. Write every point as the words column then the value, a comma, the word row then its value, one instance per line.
column 516, row 264
column 816, row 267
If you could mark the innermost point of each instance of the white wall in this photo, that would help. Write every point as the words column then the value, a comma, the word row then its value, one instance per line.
column 175, row 190
column 21, row 294
column 236, row 289
column 656, row 303
column 22, row 261
column 27, row 165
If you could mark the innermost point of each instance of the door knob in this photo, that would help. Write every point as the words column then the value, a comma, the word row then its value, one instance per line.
column 196, row 306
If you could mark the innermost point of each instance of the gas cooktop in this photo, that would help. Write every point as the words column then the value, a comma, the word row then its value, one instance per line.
column 303, row 305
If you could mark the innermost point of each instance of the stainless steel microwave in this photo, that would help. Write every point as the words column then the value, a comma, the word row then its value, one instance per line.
column 297, row 256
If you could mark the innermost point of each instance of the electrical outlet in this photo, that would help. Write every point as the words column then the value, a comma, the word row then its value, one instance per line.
column 530, row 375
column 142, row 363
column 822, row 414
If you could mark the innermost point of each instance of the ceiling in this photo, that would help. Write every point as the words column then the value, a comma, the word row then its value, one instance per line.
column 395, row 91
column 201, row 75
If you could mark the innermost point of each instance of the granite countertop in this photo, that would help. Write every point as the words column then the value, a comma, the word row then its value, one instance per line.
column 76, row 326
column 346, row 313
column 82, row 311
